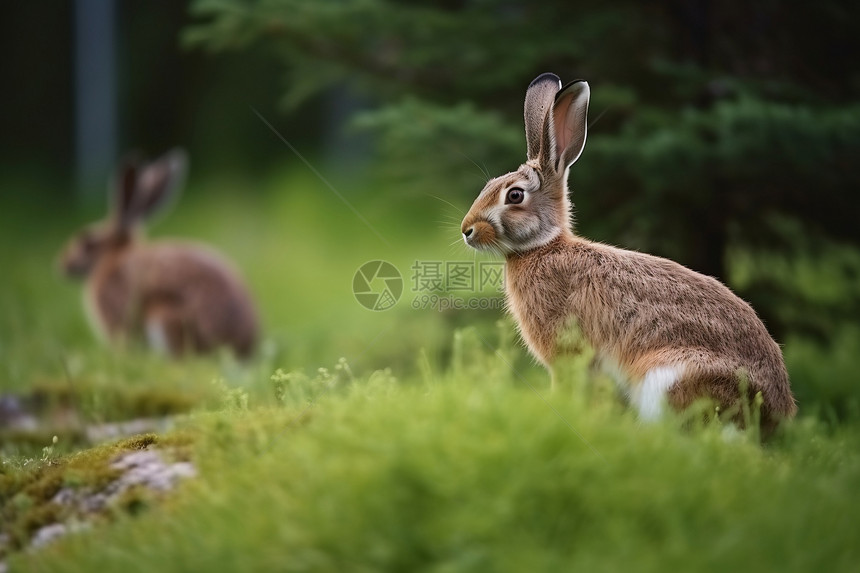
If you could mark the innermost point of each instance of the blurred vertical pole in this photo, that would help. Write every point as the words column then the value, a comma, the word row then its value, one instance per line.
column 95, row 94
column 347, row 154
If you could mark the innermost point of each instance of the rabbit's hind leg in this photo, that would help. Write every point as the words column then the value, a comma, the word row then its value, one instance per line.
column 166, row 331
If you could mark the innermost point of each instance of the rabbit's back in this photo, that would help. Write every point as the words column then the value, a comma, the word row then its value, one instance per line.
column 179, row 296
column 640, row 313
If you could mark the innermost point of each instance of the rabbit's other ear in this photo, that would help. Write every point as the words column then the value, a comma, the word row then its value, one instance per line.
column 539, row 99
column 158, row 183
column 570, row 122
column 123, row 187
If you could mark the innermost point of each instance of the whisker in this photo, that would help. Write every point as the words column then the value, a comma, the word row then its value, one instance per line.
column 483, row 170
column 453, row 229
column 458, row 209
column 596, row 119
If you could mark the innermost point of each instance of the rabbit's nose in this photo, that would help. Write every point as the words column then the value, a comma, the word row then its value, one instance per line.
column 468, row 232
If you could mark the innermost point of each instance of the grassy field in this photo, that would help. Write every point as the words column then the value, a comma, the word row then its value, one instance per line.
column 400, row 440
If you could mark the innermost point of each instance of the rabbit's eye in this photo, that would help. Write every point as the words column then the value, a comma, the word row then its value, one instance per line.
column 515, row 196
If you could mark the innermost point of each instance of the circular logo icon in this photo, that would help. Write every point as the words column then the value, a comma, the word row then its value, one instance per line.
column 377, row 285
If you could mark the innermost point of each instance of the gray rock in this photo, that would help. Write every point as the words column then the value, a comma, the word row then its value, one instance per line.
column 66, row 496
column 47, row 534
column 14, row 416
column 144, row 468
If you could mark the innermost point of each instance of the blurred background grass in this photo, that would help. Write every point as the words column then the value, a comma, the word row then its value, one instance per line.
column 722, row 137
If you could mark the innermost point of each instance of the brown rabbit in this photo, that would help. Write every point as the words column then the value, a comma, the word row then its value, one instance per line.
column 178, row 297
column 664, row 332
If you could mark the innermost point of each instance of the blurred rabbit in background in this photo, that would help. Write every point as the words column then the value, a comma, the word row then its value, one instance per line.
column 178, row 297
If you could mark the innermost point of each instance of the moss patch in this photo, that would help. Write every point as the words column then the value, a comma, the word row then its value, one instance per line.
column 27, row 493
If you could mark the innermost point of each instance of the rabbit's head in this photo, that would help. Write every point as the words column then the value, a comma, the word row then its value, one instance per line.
column 137, row 192
column 529, row 207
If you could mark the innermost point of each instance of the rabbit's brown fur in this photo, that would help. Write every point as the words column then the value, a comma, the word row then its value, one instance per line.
column 663, row 330
column 184, row 293
column 178, row 297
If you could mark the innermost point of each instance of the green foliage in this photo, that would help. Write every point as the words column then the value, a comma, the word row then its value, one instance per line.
column 412, row 131
column 812, row 287
column 439, row 76
column 730, row 162
column 824, row 377
column 427, row 49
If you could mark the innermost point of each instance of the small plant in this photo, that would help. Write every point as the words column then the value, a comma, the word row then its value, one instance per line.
column 231, row 398
column 48, row 451
column 296, row 388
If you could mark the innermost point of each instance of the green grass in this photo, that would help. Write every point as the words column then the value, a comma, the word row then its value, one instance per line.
column 429, row 440
column 473, row 471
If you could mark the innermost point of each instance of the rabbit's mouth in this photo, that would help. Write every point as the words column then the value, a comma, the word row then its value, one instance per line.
column 483, row 236
column 480, row 235
column 74, row 268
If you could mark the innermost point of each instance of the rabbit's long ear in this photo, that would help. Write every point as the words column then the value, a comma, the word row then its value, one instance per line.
column 570, row 122
column 539, row 99
column 158, row 183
